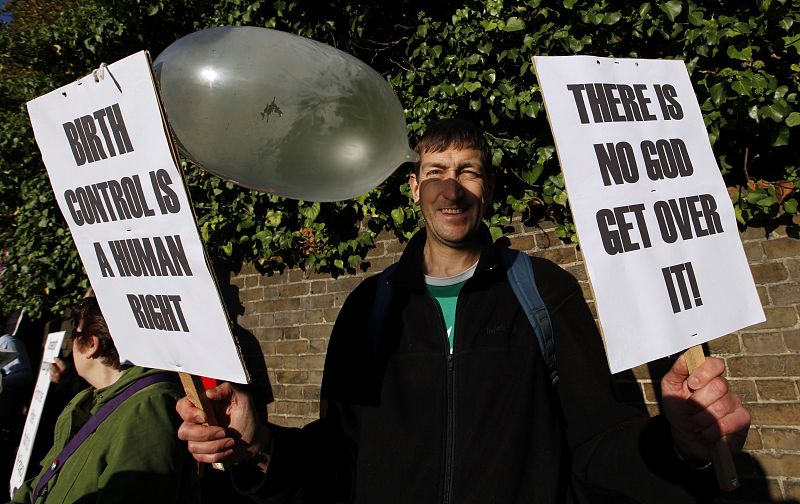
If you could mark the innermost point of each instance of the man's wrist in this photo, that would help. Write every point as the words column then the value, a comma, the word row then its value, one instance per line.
column 696, row 464
column 261, row 449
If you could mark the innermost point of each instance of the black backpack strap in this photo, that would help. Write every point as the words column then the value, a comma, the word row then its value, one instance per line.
column 520, row 275
column 380, row 308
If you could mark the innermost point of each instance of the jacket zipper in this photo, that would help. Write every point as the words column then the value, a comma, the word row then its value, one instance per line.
column 447, row 477
column 449, row 446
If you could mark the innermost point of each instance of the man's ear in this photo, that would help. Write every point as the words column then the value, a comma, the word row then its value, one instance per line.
column 414, row 184
column 92, row 347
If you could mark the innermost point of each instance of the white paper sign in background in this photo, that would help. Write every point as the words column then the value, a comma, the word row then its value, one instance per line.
column 51, row 348
column 655, row 222
column 117, row 184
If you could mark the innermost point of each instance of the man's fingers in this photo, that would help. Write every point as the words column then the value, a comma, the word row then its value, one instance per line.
column 222, row 392
column 705, row 373
column 735, row 423
column 196, row 432
column 189, row 413
column 211, row 457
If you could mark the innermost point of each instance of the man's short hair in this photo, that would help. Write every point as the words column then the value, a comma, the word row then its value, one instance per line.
column 458, row 134
column 89, row 318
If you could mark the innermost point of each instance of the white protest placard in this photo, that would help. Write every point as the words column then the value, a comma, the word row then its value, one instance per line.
column 116, row 180
column 655, row 222
column 51, row 348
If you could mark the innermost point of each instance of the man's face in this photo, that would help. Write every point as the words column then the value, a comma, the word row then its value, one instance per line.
column 454, row 191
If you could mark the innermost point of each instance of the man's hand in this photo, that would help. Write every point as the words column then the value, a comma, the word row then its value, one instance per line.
column 240, row 435
column 57, row 370
column 701, row 409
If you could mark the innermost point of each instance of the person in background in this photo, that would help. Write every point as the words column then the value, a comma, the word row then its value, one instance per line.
column 130, row 457
column 16, row 385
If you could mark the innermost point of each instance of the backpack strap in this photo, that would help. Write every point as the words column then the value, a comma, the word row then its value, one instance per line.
column 380, row 308
column 93, row 423
column 520, row 275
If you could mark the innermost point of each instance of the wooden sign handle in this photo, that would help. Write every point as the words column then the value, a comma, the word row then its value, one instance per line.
column 195, row 390
column 721, row 454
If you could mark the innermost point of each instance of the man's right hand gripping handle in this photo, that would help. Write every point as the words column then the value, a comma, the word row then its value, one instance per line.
column 240, row 437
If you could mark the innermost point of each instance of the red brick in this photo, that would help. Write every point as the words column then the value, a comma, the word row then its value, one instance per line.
column 765, row 365
column 746, row 389
column 524, row 243
column 753, row 233
column 776, row 390
column 252, row 294
column 343, row 284
column 291, row 377
column 288, row 318
column 313, row 316
column 322, row 301
column 753, row 441
column 287, row 304
column 318, row 287
column 779, row 463
column 725, row 345
column 784, row 294
column 565, row 255
column 793, row 267
column 312, row 362
column 331, row 314
column 792, row 339
column 782, row 247
column 378, row 250
column 775, row 413
column 291, row 347
column 294, row 289
column 754, row 252
column 317, row 331
column 763, row 343
column 783, row 317
column 792, row 489
column 769, row 272
column 781, row 439
column 273, row 279
column 318, row 346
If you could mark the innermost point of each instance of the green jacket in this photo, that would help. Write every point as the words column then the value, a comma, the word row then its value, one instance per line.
column 134, row 456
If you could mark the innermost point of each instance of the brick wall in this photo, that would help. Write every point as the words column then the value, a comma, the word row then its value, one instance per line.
column 285, row 321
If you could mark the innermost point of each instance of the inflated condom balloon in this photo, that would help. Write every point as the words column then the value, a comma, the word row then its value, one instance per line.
column 280, row 113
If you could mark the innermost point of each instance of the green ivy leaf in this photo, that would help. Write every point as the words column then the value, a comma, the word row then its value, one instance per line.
column 793, row 119
column 672, row 9
column 398, row 216
column 514, row 24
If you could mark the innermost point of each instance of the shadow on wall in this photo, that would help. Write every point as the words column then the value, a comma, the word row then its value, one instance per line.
column 755, row 487
column 253, row 356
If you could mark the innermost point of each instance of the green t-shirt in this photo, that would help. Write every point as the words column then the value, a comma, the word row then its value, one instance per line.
column 445, row 292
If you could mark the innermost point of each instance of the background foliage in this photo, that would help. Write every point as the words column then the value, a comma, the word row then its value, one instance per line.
column 465, row 58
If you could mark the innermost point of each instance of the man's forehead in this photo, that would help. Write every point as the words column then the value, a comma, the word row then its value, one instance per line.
column 451, row 155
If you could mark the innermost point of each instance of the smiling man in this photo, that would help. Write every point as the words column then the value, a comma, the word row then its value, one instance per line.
column 453, row 402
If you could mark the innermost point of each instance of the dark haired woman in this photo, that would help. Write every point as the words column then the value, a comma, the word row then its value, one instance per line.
column 133, row 456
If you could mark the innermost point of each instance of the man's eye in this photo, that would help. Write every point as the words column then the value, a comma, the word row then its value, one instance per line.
column 433, row 172
column 470, row 174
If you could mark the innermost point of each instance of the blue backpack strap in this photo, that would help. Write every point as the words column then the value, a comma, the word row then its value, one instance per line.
column 380, row 308
column 520, row 275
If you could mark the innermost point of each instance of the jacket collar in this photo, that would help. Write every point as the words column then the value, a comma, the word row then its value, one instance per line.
column 410, row 273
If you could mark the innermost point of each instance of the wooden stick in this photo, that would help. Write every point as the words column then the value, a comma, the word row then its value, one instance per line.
column 193, row 386
column 721, row 454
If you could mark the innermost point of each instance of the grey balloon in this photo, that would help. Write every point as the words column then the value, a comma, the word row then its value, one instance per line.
column 280, row 113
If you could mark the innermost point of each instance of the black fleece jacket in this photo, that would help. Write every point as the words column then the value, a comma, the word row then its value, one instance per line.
column 412, row 424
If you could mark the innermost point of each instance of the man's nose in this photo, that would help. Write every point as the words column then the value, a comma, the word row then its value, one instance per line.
column 452, row 188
